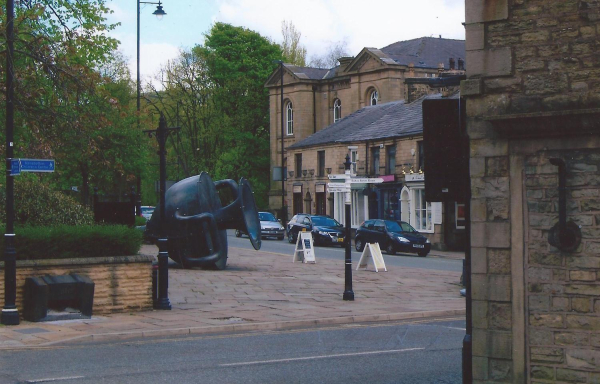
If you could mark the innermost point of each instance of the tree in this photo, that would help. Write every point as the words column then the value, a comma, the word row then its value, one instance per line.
column 293, row 52
column 331, row 58
column 72, row 92
column 238, row 62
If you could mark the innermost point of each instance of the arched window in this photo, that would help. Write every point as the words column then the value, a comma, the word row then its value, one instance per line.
column 373, row 97
column 337, row 110
column 289, row 118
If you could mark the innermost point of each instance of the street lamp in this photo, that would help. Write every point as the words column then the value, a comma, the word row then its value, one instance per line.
column 283, row 207
column 10, row 313
column 159, row 12
column 348, row 293
column 161, row 134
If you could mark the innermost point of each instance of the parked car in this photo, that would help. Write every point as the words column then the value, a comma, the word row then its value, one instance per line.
column 269, row 227
column 392, row 236
column 147, row 211
column 325, row 230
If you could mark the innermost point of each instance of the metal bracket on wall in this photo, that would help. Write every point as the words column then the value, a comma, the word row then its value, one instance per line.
column 564, row 235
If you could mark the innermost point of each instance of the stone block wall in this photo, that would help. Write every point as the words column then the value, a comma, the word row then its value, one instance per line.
column 532, row 93
column 563, row 289
column 121, row 284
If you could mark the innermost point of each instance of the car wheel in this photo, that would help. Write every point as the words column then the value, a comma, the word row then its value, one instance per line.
column 422, row 254
column 291, row 238
column 238, row 233
column 390, row 249
column 359, row 245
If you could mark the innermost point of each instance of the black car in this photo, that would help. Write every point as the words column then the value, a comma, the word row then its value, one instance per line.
column 325, row 230
column 393, row 236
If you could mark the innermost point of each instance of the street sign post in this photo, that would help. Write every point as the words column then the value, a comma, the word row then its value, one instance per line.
column 30, row 165
column 338, row 188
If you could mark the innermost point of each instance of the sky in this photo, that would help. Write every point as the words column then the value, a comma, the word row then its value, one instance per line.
column 321, row 22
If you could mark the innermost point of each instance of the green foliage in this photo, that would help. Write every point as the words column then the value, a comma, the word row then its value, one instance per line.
column 73, row 94
column 139, row 221
column 293, row 52
column 63, row 242
column 38, row 205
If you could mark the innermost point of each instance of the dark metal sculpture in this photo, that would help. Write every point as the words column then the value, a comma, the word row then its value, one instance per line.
column 196, row 221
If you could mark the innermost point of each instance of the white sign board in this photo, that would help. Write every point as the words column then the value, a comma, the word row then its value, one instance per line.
column 436, row 213
column 304, row 248
column 337, row 187
column 359, row 180
column 371, row 252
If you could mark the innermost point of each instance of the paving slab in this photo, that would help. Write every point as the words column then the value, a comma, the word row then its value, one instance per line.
column 262, row 291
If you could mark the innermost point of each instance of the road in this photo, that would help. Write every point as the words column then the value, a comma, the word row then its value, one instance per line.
column 409, row 352
column 402, row 260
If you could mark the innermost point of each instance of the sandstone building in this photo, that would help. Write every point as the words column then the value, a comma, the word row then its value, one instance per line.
column 316, row 98
column 533, row 115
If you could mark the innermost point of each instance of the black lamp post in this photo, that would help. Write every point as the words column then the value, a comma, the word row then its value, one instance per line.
column 10, row 313
column 348, row 293
column 163, row 255
column 159, row 12
column 283, row 207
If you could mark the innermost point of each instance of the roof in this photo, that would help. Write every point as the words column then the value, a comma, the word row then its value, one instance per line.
column 390, row 120
column 426, row 52
column 307, row 72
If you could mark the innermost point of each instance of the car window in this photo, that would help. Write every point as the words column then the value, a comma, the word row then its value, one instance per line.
column 325, row 221
column 379, row 226
column 393, row 226
column 369, row 224
column 407, row 227
column 306, row 220
column 266, row 216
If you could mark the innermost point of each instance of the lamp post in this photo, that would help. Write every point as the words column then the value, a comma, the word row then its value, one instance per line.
column 163, row 255
column 348, row 293
column 10, row 313
column 159, row 12
column 283, row 207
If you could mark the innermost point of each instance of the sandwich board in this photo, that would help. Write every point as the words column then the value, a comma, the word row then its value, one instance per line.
column 371, row 252
column 304, row 248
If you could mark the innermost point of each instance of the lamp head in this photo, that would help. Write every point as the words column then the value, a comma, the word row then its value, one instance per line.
column 159, row 13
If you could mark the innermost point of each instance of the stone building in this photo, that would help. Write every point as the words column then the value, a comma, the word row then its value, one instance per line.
column 385, row 142
column 315, row 98
column 533, row 104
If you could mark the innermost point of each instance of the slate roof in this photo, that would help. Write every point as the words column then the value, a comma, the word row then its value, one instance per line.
column 389, row 120
column 426, row 52
column 308, row 72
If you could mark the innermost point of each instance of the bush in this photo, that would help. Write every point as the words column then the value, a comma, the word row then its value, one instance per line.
column 140, row 220
column 64, row 241
column 37, row 204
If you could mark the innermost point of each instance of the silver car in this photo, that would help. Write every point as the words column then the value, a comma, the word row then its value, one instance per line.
column 269, row 226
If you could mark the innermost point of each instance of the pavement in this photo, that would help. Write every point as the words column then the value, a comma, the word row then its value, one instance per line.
column 261, row 291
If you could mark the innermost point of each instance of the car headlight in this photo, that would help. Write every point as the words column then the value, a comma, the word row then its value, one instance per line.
column 323, row 233
column 403, row 239
column 427, row 241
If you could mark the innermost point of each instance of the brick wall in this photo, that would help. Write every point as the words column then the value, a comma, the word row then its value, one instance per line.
column 122, row 284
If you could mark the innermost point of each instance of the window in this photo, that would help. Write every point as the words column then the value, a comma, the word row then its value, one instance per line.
column 390, row 159
column 375, row 161
column 421, row 152
column 290, row 118
column 353, row 160
column 422, row 216
column 298, row 157
column 374, row 97
column 320, row 163
column 337, row 110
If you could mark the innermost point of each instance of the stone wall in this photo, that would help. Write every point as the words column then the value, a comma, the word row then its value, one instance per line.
column 532, row 94
column 122, row 284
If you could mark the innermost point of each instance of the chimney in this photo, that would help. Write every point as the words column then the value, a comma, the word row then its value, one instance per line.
column 451, row 60
column 344, row 62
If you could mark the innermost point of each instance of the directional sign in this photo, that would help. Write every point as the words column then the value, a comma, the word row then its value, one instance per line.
column 359, row 180
column 30, row 165
column 337, row 187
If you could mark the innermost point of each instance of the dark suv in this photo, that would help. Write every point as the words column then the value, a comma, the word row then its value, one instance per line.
column 325, row 230
column 393, row 236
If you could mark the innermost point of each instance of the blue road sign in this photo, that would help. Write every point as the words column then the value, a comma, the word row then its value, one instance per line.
column 30, row 165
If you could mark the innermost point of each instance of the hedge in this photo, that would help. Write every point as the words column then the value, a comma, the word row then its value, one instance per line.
column 64, row 241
